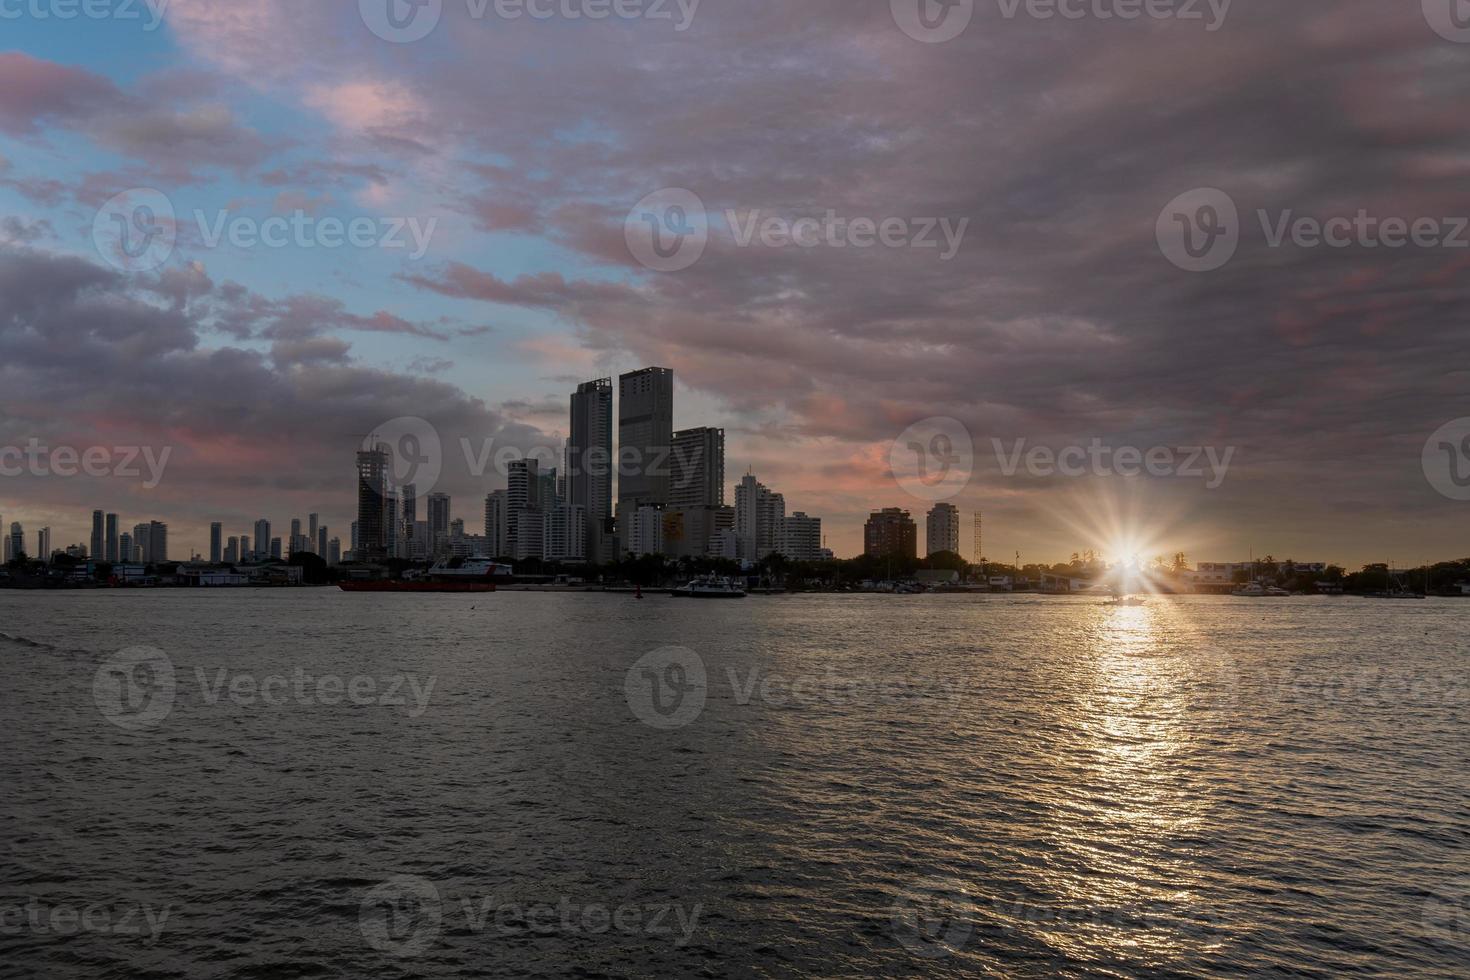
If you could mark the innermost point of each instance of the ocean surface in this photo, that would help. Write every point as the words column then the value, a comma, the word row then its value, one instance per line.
column 305, row 783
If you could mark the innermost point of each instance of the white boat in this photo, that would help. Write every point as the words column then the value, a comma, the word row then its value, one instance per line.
column 710, row 587
column 1258, row 591
column 467, row 569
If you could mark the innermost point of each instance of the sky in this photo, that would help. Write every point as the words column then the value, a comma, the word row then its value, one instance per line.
column 1222, row 238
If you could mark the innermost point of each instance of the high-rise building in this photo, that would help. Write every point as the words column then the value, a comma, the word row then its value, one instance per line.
column 589, row 459
column 243, row 547
column 697, row 461
column 276, row 548
column 43, row 545
column 111, row 543
column 645, row 437
column 409, row 507
column 645, row 536
column 262, row 538
column 564, row 534
column 438, row 508
column 229, row 552
column 140, row 543
column 942, row 529
column 126, row 550
column 759, row 517
column 979, row 539
column 523, row 489
column 99, row 536
column 497, row 525
column 334, row 551
column 321, row 540
column 891, row 533
column 802, row 537
column 296, row 544
column 530, row 534
column 216, row 543
column 394, row 524
column 313, row 527
column 370, row 543
column 157, row 542
column 15, row 544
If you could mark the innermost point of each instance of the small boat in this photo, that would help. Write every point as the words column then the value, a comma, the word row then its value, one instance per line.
column 1128, row 601
column 710, row 587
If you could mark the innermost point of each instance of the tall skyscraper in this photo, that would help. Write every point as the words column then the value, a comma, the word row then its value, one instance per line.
column 371, row 543
column 321, row 540
column 645, row 436
column 112, row 542
column 230, row 554
column 942, row 529
column 979, row 539
column 296, row 539
column 99, row 536
column 216, row 543
column 409, row 503
column 564, row 533
column 262, row 538
column 140, row 543
column 276, row 548
column 43, row 545
column 589, row 459
column 438, row 511
column 126, row 550
column 497, row 525
column 313, row 525
column 523, row 492
column 697, row 461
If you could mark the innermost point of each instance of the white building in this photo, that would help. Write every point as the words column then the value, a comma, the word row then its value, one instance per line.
column 564, row 533
column 646, row 536
column 759, row 517
column 943, row 529
column 803, row 537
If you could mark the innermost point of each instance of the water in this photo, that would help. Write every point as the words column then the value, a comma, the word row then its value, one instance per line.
column 861, row 785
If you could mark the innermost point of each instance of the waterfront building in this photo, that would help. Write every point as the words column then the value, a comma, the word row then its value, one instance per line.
column 589, row 459
column 126, row 551
column 760, row 515
column 802, row 538
column 942, row 529
column 370, row 540
column 564, row 533
column 438, row 505
column 646, row 535
column 43, row 545
column 645, row 441
column 216, row 542
column 111, row 543
column 497, row 524
column 891, row 532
